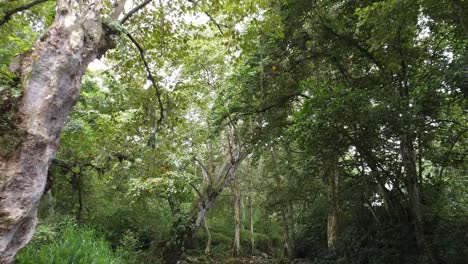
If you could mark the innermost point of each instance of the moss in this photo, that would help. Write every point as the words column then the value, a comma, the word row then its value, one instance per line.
column 5, row 221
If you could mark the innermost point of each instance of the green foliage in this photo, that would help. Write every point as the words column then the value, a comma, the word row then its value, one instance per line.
column 74, row 245
column 313, row 87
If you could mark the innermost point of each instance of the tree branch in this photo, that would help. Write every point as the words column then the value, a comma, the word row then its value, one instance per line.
column 134, row 10
column 150, row 76
column 119, row 6
column 10, row 13
column 205, row 172
column 210, row 17
column 216, row 23
column 197, row 191
column 354, row 42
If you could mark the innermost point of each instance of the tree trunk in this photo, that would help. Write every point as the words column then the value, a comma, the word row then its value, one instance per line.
column 287, row 234
column 208, row 240
column 203, row 204
column 333, row 208
column 243, row 210
column 50, row 76
column 283, row 211
column 414, row 197
column 236, row 246
column 252, row 238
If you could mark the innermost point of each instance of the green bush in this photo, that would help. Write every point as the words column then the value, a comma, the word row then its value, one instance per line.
column 75, row 245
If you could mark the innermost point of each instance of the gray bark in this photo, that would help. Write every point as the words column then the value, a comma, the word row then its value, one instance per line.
column 236, row 246
column 333, row 209
column 208, row 240
column 50, row 76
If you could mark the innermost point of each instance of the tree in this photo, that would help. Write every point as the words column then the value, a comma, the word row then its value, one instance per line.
column 50, row 77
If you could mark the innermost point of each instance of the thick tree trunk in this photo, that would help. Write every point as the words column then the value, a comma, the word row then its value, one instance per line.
column 333, row 208
column 50, row 76
column 236, row 246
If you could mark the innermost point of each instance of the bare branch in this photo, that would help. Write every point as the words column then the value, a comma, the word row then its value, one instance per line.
column 134, row 10
column 10, row 13
column 150, row 76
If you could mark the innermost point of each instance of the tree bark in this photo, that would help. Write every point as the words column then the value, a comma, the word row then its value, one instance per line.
column 252, row 238
column 236, row 246
column 414, row 197
column 50, row 76
column 333, row 207
column 208, row 240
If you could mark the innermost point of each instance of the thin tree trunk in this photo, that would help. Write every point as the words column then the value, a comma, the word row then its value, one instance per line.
column 283, row 212
column 252, row 238
column 333, row 208
column 242, row 207
column 50, row 76
column 208, row 240
column 236, row 246
column 287, row 236
column 79, row 216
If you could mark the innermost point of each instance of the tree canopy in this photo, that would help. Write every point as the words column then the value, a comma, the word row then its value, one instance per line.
column 233, row 131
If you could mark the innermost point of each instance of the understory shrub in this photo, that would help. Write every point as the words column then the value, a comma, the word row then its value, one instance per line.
column 75, row 245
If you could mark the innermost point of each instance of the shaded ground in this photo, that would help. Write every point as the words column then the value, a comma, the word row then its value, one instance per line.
column 241, row 260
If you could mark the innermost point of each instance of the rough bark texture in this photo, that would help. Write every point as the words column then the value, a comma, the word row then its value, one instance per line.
column 50, row 76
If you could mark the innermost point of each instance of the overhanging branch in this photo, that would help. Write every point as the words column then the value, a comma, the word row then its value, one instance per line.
column 150, row 75
column 9, row 14
column 210, row 17
column 134, row 10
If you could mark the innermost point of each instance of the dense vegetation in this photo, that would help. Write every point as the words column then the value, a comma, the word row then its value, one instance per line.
column 259, row 130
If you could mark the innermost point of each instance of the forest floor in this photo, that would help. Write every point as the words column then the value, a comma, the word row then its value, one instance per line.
column 242, row 260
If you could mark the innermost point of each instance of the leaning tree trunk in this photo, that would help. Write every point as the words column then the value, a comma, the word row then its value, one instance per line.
column 50, row 77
